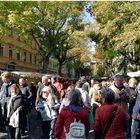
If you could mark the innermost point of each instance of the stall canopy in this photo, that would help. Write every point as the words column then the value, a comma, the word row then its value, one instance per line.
column 28, row 74
column 31, row 74
column 134, row 74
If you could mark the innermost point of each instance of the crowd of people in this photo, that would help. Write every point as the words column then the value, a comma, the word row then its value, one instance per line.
column 69, row 109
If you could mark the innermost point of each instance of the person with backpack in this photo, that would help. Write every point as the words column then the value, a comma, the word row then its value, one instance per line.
column 73, row 120
column 110, row 120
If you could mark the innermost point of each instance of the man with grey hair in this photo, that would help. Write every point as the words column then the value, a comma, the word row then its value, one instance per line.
column 122, row 97
column 121, row 94
column 39, row 91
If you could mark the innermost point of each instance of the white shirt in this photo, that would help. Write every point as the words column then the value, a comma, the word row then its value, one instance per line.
column 85, row 97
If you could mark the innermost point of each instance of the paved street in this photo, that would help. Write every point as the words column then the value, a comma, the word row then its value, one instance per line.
column 35, row 129
column 34, row 126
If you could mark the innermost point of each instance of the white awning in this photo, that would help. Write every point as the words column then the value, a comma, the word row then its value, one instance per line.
column 27, row 74
column 134, row 74
column 31, row 74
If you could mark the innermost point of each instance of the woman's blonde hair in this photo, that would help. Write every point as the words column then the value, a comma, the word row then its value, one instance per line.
column 5, row 74
column 133, row 80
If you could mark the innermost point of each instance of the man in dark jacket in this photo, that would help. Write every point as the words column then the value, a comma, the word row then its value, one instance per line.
column 33, row 89
column 25, row 90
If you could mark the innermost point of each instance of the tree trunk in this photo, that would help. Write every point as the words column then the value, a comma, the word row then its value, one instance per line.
column 45, row 64
column 125, row 70
column 60, row 69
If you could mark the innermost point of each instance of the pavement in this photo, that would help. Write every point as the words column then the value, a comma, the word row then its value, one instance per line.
column 34, row 129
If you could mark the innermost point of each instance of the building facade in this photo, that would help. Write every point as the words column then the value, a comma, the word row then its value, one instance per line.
column 16, row 55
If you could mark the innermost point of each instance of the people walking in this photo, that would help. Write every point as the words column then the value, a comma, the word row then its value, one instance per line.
column 17, row 111
column 110, row 120
column 48, row 105
column 69, row 113
column 5, row 96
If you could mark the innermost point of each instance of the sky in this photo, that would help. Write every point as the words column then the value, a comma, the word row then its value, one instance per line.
column 87, row 18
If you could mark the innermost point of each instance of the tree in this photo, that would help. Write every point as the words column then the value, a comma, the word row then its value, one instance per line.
column 81, row 53
column 117, row 34
column 74, row 47
column 48, row 23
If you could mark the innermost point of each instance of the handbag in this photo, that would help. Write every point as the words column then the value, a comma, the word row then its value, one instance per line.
column 14, row 119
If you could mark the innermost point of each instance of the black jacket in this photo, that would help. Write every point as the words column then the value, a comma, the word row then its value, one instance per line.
column 19, row 101
column 25, row 89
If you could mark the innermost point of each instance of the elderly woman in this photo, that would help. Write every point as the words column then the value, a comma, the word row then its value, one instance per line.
column 48, row 106
column 18, row 104
column 110, row 120
column 67, row 115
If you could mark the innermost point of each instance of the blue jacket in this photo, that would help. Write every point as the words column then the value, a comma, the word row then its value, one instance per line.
column 135, row 124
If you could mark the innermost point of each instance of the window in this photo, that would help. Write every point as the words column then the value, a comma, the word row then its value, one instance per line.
column 10, row 52
column 1, row 50
column 30, row 58
column 24, row 56
column 35, row 59
column 11, row 66
column 18, row 56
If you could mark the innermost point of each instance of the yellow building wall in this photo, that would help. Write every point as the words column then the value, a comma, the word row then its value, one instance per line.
column 20, row 65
